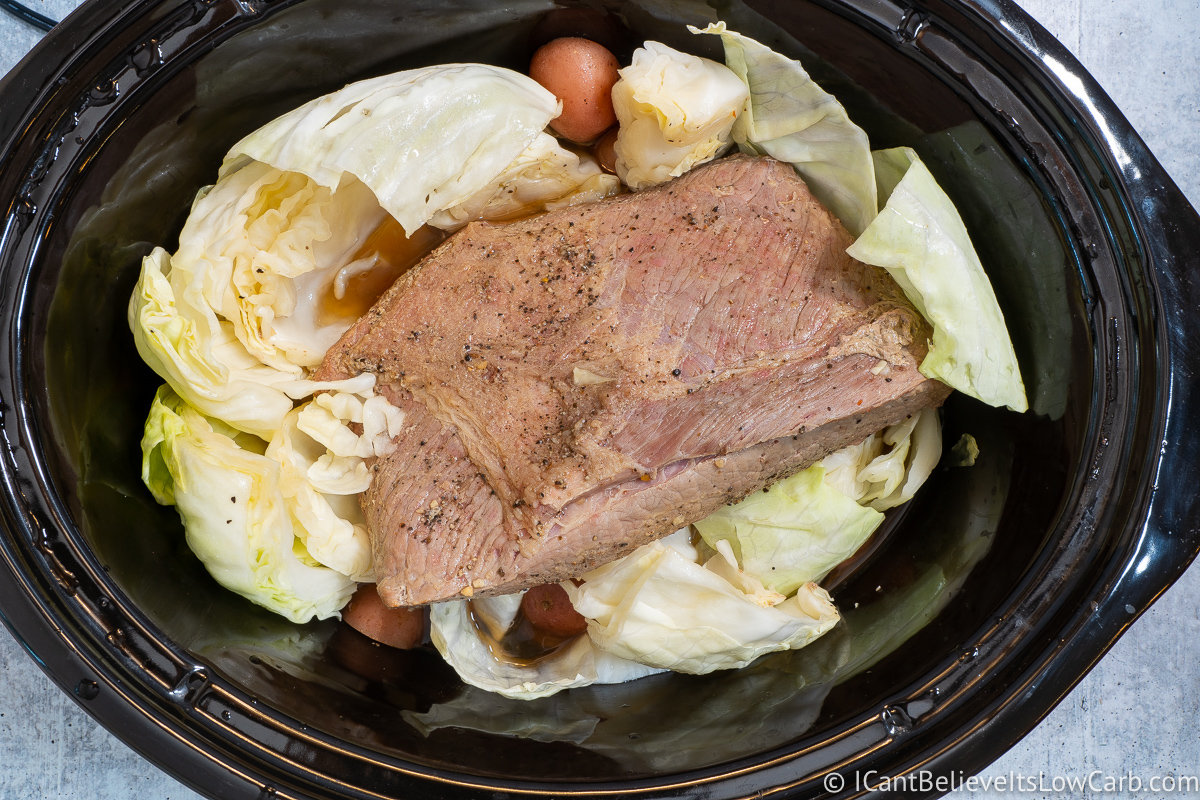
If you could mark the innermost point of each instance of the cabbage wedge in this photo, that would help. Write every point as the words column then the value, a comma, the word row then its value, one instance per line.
column 258, row 248
column 675, row 112
column 234, row 514
column 210, row 320
column 423, row 140
column 790, row 118
column 659, row 607
column 806, row 525
column 201, row 358
column 887, row 469
column 315, row 487
column 793, row 534
column 922, row 242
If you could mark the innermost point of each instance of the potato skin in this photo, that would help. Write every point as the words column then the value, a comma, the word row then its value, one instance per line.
column 548, row 609
column 605, row 150
column 402, row 628
column 581, row 74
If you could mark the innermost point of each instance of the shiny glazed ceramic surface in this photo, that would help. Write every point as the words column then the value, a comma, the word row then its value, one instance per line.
column 979, row 606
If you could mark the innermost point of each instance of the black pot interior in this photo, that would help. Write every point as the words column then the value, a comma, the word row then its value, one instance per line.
column 937, row 572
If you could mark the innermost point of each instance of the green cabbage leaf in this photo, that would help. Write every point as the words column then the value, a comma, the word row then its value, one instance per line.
column 922, row 242
column 790, row 118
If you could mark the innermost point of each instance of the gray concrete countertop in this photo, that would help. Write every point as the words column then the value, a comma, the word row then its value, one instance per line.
column 1136, row 715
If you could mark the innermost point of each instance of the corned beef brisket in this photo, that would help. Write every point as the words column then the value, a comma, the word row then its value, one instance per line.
column 585, row 381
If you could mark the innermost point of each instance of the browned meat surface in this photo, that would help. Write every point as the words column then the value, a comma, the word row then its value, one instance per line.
column 591, row 379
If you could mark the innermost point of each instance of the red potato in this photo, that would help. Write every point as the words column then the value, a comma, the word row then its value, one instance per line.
column 548, row 609
column 605, row 150
column 402, row 628
column 581, row 74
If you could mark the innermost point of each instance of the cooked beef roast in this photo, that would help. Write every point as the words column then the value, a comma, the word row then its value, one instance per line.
column 582, row 382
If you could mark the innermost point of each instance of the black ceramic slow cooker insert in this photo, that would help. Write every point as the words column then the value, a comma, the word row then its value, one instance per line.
column 983, row 603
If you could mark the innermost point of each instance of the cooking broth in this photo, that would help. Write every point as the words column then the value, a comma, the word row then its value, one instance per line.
column 523, row 644
column 386, row 255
